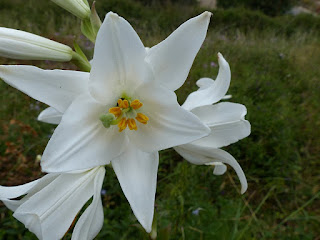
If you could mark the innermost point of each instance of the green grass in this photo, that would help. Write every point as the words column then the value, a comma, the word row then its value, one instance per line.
column 275, row 73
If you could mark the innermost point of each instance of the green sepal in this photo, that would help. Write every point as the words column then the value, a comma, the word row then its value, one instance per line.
column 87, row 30
column 80, row 59
column 153, row 234
column 95, row 19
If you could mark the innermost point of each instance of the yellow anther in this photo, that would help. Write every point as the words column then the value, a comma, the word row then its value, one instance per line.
column 136, row 104
column 142, row 118
column 116, row 111
column 122, row 124
column 132, row 124
column 123, row 103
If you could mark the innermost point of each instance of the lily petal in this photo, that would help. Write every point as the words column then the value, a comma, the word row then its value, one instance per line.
column 172, row 59
column 203, row 83
column 118, row 59
column 213, row 93
column 226, row 121
column 137, row 174
column 219, row 168
column 169, row 125
column 80, row 141
column 49, row 212
column 57, row 88
column 50, row 115
column 7, row 193
column 91, row 221
column 203, row 155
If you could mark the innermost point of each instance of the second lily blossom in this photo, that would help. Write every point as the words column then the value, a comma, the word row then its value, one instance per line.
column 225, row 119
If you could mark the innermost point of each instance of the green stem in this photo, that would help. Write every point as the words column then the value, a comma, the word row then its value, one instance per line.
column 82, row 63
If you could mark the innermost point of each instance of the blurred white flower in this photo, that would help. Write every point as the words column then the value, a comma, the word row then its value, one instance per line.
column 226, row 121
column 124, row 111
column 22, row 45
column 79, row 8
column 52, row 202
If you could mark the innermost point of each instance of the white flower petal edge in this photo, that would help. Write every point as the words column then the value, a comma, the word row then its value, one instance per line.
column 18, row 44
column 91, row 221
column 118, row 61
column 226, row 121
column 172, row 59
column 52, row 202
column 203, row 155
column 219, row 168
column 211, row 93
column 57, row 88
column 50, row 115
column 137, row 175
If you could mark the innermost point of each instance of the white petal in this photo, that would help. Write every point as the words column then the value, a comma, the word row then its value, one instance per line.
column 172, row 59
column 219, row 168
column 50, row 115
column 169, row 125
column 80, row 141
column 214, row 93
column 137, row 174
column 226, row 121
column 204, row 155
column 57, row 88
column 118, row 59
column 50, row 212
column 18, row 44
column 16, row 191
column 7, row 193
column 203, row 83
column 91, row 221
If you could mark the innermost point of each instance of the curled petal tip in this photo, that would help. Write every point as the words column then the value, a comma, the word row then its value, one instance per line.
column 207, row 14
column 113, row 15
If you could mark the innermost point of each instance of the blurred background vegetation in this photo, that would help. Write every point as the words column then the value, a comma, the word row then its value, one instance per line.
column 274, row 58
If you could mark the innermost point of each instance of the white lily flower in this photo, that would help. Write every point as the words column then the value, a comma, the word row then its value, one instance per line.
column 52, row 202
column 124, row 111
column 226, row 121
column 18, row 44
column 79, row 8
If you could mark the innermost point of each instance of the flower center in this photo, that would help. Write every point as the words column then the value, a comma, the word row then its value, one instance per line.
column 125, row 114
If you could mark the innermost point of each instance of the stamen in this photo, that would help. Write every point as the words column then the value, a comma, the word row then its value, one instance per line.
column 122, row 124
column 136, row 104
column 142, row 118
column 116, row 111
column 123, row 103
column 132, row 124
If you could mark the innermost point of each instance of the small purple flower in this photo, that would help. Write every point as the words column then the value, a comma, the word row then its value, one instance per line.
column 213, row 64
column 103, row 192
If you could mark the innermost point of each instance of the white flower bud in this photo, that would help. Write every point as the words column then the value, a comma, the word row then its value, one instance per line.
column 18, row 44
column 79, row 8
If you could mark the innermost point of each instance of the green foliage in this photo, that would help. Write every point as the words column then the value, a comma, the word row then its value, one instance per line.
column 272, row 8
column 275, row 73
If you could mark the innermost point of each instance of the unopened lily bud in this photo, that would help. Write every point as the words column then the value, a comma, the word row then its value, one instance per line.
column 79, row 8
column 18, row 44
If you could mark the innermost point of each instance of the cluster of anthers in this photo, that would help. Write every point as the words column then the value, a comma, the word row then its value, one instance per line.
column 124, row 115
